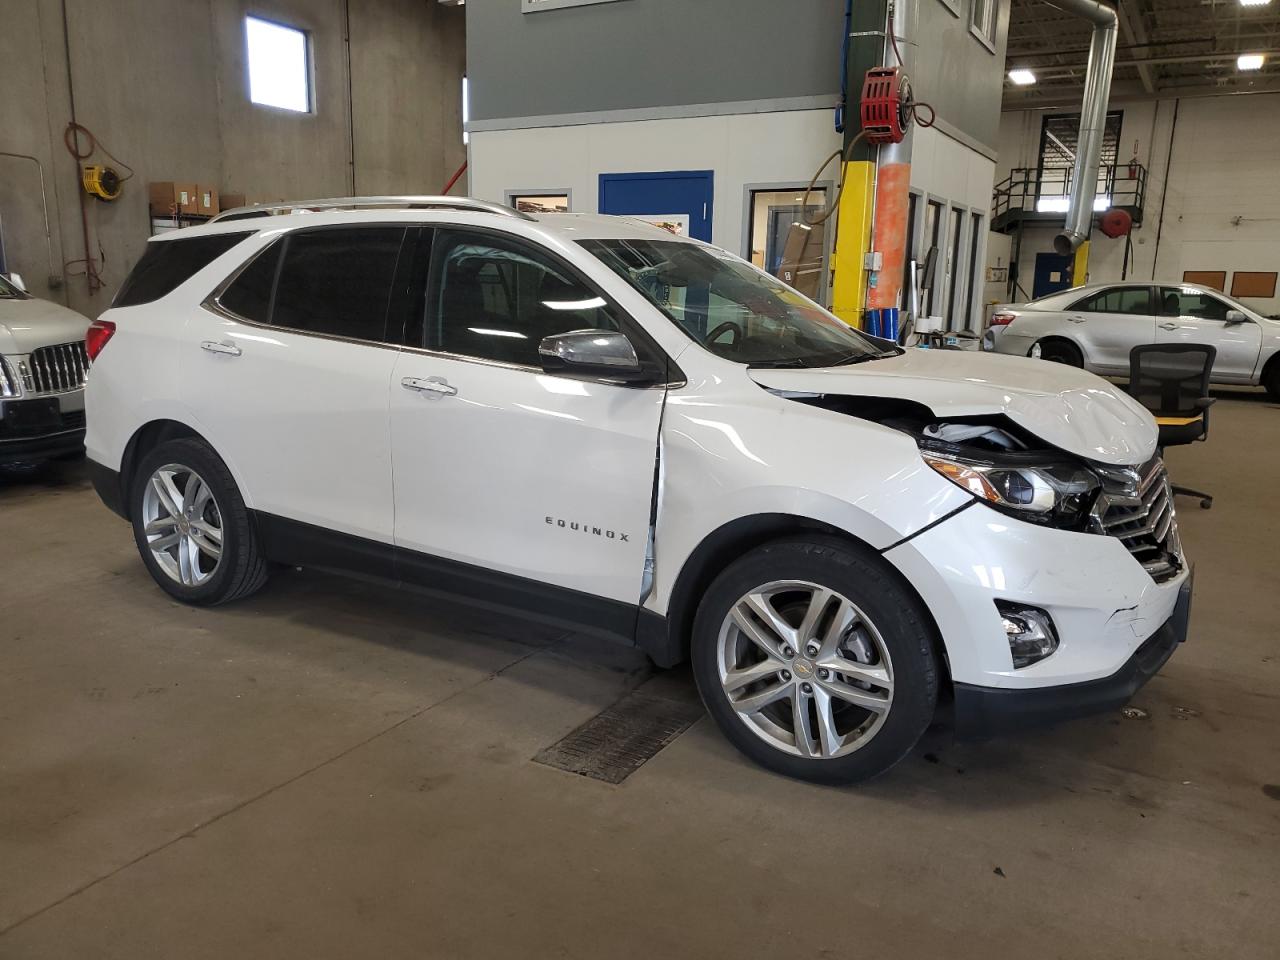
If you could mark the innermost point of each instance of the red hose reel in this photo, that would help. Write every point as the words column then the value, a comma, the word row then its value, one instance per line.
column 886, row 105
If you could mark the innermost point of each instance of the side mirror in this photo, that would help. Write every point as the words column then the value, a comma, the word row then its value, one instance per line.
column 603, row 354
column 1235, row 316
column 16, row 280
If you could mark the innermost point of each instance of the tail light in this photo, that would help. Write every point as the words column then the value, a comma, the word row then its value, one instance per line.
column 1002, row 319
column 100, row 331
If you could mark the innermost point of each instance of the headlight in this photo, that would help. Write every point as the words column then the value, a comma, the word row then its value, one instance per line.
column 1058, row 494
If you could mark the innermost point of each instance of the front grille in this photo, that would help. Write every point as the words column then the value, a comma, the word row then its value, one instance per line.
column 57, row 369
column 1136, row 507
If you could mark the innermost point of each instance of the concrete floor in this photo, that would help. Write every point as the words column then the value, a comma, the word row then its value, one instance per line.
column 336, row 770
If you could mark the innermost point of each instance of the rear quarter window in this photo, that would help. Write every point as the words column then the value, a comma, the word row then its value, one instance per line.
column 168, row 264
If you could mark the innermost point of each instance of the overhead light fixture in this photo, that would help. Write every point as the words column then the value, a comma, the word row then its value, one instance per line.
column 1023, row 78
column 1250, row 61
column 1254, row 3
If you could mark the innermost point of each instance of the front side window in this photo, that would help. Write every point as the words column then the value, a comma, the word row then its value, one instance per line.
column 495, row 299
column 1131, row 300
column 167, row 264
column 1186, row 302
column 731, row 308
column 334, row 281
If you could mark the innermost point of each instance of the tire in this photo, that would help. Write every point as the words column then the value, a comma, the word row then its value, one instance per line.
column 1061, row 351
column 1271, row 380
column 887, row 636
column 188, row 569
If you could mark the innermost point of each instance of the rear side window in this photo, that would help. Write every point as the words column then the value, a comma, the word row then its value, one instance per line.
column 167, row 264
column 249, row 295
column 333, row 281
column 1134, row 300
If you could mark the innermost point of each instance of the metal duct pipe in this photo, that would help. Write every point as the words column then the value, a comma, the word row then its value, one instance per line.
column 1093, row 118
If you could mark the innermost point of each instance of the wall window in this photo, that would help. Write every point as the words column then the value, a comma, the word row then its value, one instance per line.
column 931, row 276
column 982, row 22
column 537, row 201
column 976, row 272
column 784, row 243
column 952, row 5
column 466, row 110
column 497, row 300
column 1057, row 161
column 279, row 65
column 954, row 270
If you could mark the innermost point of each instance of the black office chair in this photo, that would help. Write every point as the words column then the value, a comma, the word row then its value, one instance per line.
column 1172, row 381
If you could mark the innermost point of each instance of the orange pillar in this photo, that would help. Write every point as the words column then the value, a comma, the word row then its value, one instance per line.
column 893, row 203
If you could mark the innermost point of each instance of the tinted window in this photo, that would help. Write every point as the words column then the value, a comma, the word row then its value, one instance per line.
column 338, row 281
column 1135, row 300
column 1183, row 302
column 496, row 300
column 249, row 295
column 167, row 264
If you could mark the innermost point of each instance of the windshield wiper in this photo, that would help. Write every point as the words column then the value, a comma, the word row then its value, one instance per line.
column 789, row 362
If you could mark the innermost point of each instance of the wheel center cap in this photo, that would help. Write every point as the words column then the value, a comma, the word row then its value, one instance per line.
column 184, row 525
column 802, row 668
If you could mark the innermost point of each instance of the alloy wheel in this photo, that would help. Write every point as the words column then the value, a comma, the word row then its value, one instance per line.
column 805, row 669
column 183, row 524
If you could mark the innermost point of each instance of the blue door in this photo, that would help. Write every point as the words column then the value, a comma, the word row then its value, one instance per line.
column 682, row 197
column 1053, row 273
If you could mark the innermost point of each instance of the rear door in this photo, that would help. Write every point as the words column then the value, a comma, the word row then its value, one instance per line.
column 287, row 368
column 1109, row 323
column 1188, row 315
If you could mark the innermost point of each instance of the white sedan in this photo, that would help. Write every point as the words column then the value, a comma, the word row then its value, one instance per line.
column 1095, row 327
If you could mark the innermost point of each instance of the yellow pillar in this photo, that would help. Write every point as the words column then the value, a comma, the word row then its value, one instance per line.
column 853, row 242
column 1080, row 265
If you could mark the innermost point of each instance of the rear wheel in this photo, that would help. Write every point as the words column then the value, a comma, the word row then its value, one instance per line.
column 815, row 661
column 191, row 526
column 1059, row 351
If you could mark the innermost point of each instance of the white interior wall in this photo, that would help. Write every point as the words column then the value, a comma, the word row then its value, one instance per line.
column 1226, row 153
column 742, row 149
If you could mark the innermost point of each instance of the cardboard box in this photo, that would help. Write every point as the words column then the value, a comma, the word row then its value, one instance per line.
column 207, row 200
column 167, row 197
column 229, row 201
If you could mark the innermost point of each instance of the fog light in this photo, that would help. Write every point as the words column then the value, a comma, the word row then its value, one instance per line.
column 1029, row 631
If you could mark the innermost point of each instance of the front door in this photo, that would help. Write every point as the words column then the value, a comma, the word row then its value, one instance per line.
column 512, row 486
column 680, row 201
column 1110, row 323
column 288, row 377
column 1188, row 315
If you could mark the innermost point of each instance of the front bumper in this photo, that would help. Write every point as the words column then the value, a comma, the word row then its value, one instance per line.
column 42, row 428
column 982, row 712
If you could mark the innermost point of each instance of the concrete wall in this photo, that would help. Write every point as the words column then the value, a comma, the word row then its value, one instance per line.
column 1221, row 209
column 163, row 84
column 657, row 58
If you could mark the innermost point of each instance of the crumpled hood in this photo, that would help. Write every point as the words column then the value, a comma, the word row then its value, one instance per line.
column 28, row 324
column 1063, row 406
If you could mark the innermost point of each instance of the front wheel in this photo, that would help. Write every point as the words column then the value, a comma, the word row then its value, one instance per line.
column 815, row 661
column 191, row 525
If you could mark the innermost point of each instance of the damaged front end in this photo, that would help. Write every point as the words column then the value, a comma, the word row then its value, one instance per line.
column 1019, row 474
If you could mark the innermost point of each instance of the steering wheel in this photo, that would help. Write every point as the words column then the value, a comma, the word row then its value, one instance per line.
column 721, row 328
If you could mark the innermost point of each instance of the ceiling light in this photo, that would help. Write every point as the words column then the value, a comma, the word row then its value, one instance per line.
column 1254, row 3
column 1022, row 78
column 1250, row 61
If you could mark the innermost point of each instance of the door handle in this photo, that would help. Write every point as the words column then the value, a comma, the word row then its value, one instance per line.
column 1168, row 326
column 432, row 386
column 1075, row 319
column 226, row 349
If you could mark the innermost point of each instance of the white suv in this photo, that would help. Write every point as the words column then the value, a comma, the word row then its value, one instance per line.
column 588, row 421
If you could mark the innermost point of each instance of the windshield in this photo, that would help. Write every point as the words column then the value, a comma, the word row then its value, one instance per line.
column 9, row 292
column 731, row 308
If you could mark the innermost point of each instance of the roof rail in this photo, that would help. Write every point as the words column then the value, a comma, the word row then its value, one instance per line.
column 362, row 203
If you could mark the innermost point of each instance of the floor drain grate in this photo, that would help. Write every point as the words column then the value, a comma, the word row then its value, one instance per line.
column 621, row 738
